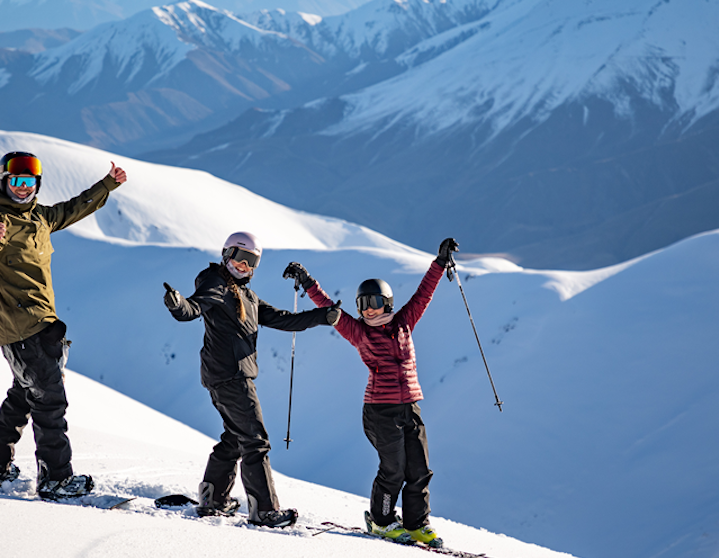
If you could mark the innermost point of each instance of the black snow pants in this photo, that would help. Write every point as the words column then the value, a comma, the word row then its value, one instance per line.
column 244, row 438
column 38, row 391
column 398, row 434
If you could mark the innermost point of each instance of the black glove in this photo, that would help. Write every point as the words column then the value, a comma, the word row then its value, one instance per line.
column 297, row 271
column 444, row 256
column 172, row 298
column 334, row 313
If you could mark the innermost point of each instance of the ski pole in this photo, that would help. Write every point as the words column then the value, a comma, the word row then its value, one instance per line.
column 452, row 267
column 292, row 368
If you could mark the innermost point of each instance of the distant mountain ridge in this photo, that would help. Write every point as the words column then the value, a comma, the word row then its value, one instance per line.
column 569, row 135
column 171, row 71
column 86, row 14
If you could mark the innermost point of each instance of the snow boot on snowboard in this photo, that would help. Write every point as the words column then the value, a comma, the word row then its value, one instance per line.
column 208, row 506
column 10, row 473
column 73, row 486
column 271, row 518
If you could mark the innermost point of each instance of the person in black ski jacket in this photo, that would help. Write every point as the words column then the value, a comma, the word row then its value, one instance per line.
column 232, row 313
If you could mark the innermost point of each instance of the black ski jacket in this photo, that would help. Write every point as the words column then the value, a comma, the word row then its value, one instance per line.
column 230, row 347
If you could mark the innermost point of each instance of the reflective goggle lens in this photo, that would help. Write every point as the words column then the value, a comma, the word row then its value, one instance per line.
column 371, row 301
column 24, row 165
column 23, row 181
column 235, row 253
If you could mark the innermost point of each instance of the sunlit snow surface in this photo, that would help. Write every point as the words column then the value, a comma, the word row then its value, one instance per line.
column 608, row 377
column 134, row 451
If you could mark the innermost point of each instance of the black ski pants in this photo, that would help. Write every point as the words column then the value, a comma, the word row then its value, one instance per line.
column 398, row 434
column 244, row 438
column 38, row 391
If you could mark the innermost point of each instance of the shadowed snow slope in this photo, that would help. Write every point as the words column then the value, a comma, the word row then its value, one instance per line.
column 608, row 376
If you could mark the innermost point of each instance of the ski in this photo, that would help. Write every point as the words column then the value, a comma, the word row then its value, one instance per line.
column 330, row 525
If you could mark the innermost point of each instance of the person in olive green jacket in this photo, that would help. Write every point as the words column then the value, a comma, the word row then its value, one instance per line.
column 31, row 334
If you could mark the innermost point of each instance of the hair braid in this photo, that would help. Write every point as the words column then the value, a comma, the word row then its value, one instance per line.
column 232, row 285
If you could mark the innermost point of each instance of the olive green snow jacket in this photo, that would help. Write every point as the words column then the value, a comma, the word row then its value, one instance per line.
column 27, row 300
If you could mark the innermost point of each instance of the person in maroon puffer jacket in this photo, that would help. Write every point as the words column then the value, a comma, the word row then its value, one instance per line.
column 391, row 413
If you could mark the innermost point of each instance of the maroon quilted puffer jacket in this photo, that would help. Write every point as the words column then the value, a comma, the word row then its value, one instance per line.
column 388, row 350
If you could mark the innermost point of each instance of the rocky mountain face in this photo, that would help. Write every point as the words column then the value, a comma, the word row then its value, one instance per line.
column 561, row 133
column 165, row 74
column 565, row 134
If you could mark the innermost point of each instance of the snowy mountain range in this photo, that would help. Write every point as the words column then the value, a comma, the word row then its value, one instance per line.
column 86, row 14
column 168, row 72
column 608, row 376
column 569, row 134
column 564, row 134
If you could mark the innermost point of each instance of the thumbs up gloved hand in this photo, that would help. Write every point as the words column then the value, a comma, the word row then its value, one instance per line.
column 334, row 313
column 171, row 298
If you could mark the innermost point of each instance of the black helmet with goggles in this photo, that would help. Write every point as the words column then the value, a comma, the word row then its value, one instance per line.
column 374, row 293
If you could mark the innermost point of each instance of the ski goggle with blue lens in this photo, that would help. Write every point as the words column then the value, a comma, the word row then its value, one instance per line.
column 234, row 253
column 375, row 301
column 23, row 181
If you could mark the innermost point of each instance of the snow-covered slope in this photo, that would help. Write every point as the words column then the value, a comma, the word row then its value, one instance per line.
column 134, row 451
column 608, row 376
column 165, row 33
column 180, row 208
column 530, row 57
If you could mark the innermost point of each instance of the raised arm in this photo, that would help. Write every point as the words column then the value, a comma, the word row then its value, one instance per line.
column 345, row 324
column 64, row 214
column 415, row 308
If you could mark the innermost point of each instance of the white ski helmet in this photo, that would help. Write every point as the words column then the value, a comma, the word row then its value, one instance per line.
column 241, row 246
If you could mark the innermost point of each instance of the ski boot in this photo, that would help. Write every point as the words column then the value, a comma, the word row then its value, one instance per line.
column 208, row 506
column 427, row 535
column 393, row 531
column 10, row 473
